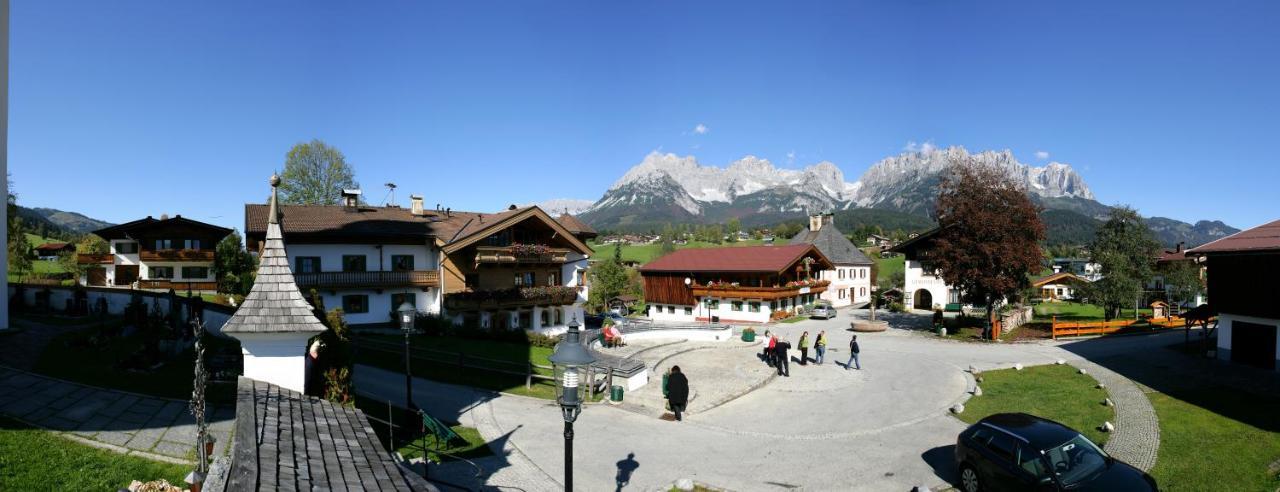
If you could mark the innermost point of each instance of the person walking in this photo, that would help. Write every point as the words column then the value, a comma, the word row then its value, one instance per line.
column 677, row 391
column 804, row 348
column 768, row 350
column 853, row 355
column 784, row 363
column 820, row 346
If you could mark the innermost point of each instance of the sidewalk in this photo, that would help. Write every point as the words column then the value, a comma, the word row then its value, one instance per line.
column 156, row 428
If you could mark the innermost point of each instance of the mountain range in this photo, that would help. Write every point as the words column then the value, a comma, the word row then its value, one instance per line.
column 54, row 223
column 666, row 188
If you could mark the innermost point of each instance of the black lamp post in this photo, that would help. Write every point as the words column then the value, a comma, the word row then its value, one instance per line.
column 570, row 360
column 406, row 312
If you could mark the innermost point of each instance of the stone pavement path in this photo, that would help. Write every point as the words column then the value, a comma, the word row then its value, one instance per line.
column 129, row 423
column 1136, row 439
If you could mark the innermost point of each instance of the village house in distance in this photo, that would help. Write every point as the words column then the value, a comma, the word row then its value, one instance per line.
column 851, row 276
column 749, row 284
column 922, row 287
column 166, row 253
column 519, row 268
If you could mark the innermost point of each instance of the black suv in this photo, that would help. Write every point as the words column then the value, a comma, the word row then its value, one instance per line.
column 1016, row 451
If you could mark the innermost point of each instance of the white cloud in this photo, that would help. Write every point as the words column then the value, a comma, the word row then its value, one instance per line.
column 926, row 146
column 1042, row 154
column 701, row 129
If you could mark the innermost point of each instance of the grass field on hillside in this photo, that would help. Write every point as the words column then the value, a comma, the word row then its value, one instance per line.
column 645, row 253
column 887, row 267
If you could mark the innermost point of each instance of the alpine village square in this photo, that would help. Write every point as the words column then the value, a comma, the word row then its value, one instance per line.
column 640, row 246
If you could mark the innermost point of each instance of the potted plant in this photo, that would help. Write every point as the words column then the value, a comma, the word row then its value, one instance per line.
column 748, row 335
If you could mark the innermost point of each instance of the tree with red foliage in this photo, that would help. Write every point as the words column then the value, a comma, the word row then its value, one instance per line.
column 989, row 234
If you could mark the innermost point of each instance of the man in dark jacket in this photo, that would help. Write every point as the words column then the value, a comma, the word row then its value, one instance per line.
column 853, row 355
column 677, row 391
column 784, row 361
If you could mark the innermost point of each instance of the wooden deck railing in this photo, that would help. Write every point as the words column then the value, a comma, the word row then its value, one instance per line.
column 370, row 280
column 1085, row 328
column 511, row 254
column 95, row 259
column 766, row 293
column 176, row 255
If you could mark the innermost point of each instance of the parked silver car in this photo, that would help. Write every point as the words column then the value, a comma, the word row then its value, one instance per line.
column 822, row 310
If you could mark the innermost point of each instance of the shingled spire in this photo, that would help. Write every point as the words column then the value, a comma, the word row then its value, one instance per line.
column 274, row 305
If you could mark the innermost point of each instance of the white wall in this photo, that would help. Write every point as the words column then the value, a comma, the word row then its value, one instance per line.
column 118, row 299
column 915, row 279
column 856, row 283
column 424, row 257
column 144, row 271
column 276, row 358
column 1225, row 322
column 702, row 313
column 124, row 259
column 379, row 303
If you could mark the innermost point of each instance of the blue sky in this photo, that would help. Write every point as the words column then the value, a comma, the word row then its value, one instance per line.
column 124, row 109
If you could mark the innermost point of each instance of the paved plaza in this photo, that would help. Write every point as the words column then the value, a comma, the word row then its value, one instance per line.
column 156, row 428
column 885, row 427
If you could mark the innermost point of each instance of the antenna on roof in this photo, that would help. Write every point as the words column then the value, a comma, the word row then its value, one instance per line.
column 391, row 193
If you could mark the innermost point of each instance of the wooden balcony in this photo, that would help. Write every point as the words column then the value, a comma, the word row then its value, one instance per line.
column 176, row 255
column 512, row 298
column 528, row 254
column 95, row 259
column 725, row 291
column 177, row 285
column 368, row 280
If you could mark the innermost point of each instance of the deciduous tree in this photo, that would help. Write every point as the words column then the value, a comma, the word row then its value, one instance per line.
column 315, row 174
column 990, row 233
column 1124, row 248
column 234, row 267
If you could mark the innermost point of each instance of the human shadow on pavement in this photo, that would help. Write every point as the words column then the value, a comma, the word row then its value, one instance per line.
column 626, row 467
column 943, row 461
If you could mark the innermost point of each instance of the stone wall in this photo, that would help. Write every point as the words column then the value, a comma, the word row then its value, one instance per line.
column 1016, row 317
column 214, row 315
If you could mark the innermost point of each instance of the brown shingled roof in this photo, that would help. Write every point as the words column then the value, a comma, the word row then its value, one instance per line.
column 734, row 259
column 336, row 220
column 1265, row 237
column 574, row 225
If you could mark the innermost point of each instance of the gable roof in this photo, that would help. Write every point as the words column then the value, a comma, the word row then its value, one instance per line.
column 56, row 246
column 1264, row 238
column 340, row 221
column 575, row 225
column 128, row 229
column 1058, row 278
column 766, row 259
column 921, row 240
column 834, row 245
column 274, row 304
column 486, row 224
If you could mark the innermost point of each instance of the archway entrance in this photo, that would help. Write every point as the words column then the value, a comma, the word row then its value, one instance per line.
column 923, row 299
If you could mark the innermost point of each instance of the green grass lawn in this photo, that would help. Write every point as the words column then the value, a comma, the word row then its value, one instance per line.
column 444, row 369
column 887, row 267
column 410, row 444
column 1074, row 311
column 1053, row 392
column 645, row 253
column 1201, row 449
column 34, row 459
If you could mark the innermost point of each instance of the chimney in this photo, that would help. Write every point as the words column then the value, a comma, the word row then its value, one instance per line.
column 415, row 205
column 1179, row 250
column 816, row 221
column 350, row 198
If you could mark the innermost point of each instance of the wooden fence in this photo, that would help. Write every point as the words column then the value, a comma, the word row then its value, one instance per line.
column 1084, row 328
column 462, row 360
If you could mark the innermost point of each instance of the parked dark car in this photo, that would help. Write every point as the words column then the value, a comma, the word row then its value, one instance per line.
column 1016, row 451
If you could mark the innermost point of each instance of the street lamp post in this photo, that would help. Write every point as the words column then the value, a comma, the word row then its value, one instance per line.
column 569, row 361
column 873, row 302
column 407, row 312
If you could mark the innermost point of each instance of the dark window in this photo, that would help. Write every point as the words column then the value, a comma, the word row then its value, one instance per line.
column 1003, row 446
column 164, row 244
column 127, row 248
column 355, row 304
column 737, row 306
column 671, row 310
column 161, row 272
column 553, row 278
column 195, row 272
column 753, row 306
column 308, row 264
column 191, row 244
column 472, row 280
column 688, row 310
column 981, row 436
column 1029, row 460
column 398, row 299
column 401, row 263
column 713, row 304
column 353, row 263
column 525, row 279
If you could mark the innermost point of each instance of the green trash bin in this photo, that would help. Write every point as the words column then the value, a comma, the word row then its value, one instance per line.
column 748, row 336
column 665, row 377
column 615, row 393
